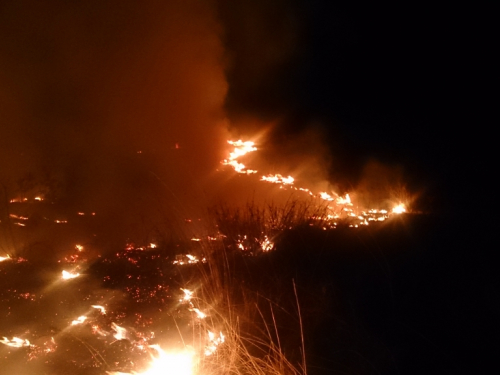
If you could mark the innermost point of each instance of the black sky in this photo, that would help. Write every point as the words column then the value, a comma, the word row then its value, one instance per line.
column 384, row 81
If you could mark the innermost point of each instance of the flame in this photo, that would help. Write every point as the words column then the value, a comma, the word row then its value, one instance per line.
column 188, row 294
column 69, row 275
column 240, row 148
column 5, row 258
column 121, row 333
column 266, row 244
column 399, row 209
column 100, row 308
column 214, row 342
column 345, row 200
column 175, row 363
column 16, row 342
column 199, row 314
column 339, row 203
column 278, row 179
column 326, row 196
column 79, row 320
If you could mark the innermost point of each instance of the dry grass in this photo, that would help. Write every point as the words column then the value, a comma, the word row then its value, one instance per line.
column 252, row 225
column 252, row 344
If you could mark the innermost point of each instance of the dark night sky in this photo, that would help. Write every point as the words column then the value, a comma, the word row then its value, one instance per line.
column 84, row 86
column 384, row 81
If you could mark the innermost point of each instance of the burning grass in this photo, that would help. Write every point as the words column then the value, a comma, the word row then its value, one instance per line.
column 205, row 302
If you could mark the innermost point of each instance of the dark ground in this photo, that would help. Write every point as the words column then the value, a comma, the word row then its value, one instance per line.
column 409, row 296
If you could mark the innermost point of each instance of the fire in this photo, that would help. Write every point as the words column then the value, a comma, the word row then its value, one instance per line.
column 214, row 342
column 175, row 363
column 188, row 294
column 199, row 314
column 69, row 275
column 341, row 208
column 266, row 244
column 240, row 148
column 326, row 196
column 399, row 209
column 15, row 342
column 100, row 308
column 121, row 333
column 278, row 179
column 345, row 200
column 5, row 258
column 79, row 320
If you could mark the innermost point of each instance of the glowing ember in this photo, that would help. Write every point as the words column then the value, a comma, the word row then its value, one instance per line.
column 79, row 247
column 69, row 275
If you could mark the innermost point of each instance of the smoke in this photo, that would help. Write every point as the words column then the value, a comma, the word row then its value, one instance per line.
column 118, row 104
